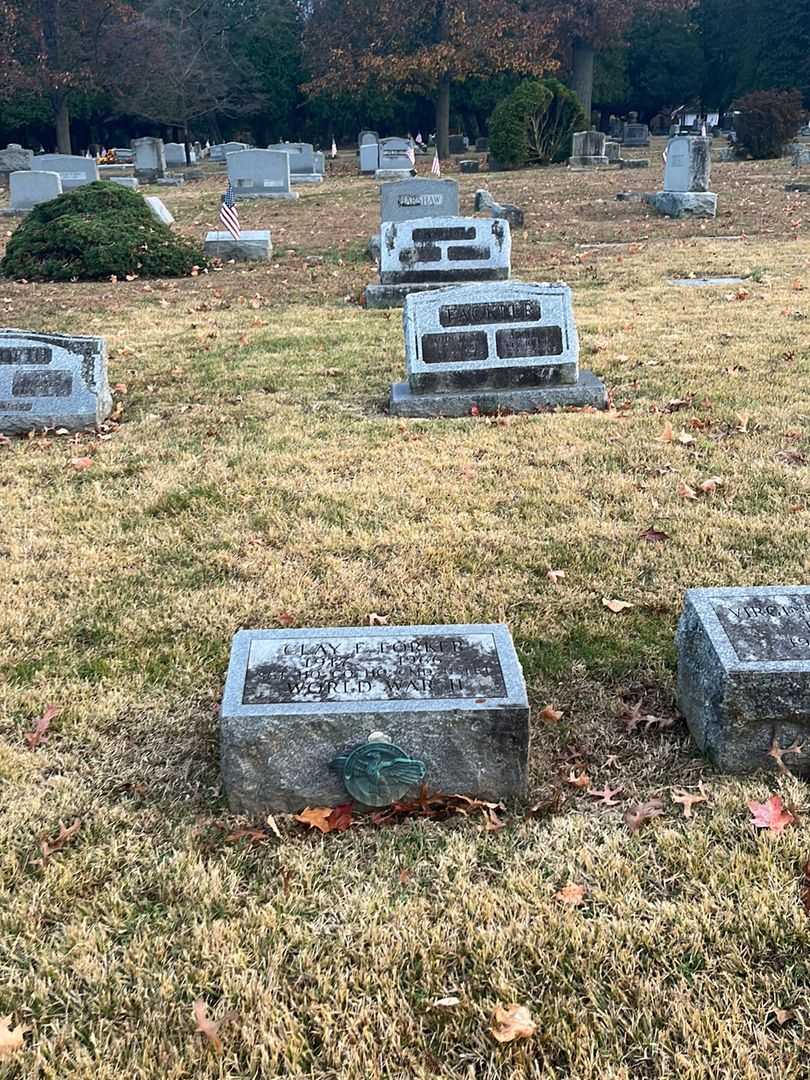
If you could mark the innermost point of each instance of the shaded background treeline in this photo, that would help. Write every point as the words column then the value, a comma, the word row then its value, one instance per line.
column 260, row 69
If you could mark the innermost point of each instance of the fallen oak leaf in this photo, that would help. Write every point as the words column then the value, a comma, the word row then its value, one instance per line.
column 555, row 576
column 636, row 815
column 327, row 818
column 446, row 1002
column 607, row 796
column 206, row 1027
column 551, row 715
column 770, row 815
column 66, row 833
column 660, row 722
column 782, row 1016
column 11, row 1039
column 653, row 536
column 687, row 800
column 81, row 463
column 708, row 487
column 571, row 894
column 684, row 491
column 39, row 732
column 580, row 781
column 512, row 1022
column 777, row 753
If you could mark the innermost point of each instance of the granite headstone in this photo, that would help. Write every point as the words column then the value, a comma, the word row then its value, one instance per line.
column 260, row 174
column 73, row 169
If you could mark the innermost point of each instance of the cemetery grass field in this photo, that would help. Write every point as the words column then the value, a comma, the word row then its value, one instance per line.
column 253, row 479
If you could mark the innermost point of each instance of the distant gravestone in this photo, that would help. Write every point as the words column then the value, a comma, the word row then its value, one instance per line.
column 175, row 154
column 417, row 255
column 14, row 159
column 130, row 182
column 369, row 158
column 322, row 717
column 744, row 674
column 800, row 155
column 686, row 179
column 506, row 211
column 405, row 200
column 613, row 151
column 260, row 174
column 253, row 245
column 30, row 188
column 124, row 155
column 73, row 169
column 636, row 134
column 587, row 150
column 367, row 137
column 150, row 158
column 394, row 162
column 482, row 145
column 302, row 162
column 52, row 381
column 509, row 347
column 458, row 144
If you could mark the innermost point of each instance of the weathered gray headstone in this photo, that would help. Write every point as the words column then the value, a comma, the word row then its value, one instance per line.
column 30, row 188
column 588, row 150
column 365, row 137
column 260, row 174
column 73, row 169
column 800, row 155
column 686, row 179
column 443, row 706
column 369, row 158
column 175, row 154
column 52, row 381
column 394, row 162
column 744, row 673
column 458, row 144
column 159, row 209
column 302, row 162
column 124, row 155
column 14, row 159
column 253, row 245
column 613, row 151
column 417, row 255
column 503, row 347
column 506, row 211
column 636, row 135
column 150, row 158
column 407, row 200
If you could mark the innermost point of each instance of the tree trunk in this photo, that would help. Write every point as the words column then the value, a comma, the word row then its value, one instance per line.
column 62, row 127
column 582, row 77
column 443, row 117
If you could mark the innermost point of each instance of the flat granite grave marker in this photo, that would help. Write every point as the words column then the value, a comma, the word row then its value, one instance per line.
column 52, row 381
column 260, row 174
column 253, row 245
column 419, row 255
column 320, row 717
column 510, row 347
column 744, row 673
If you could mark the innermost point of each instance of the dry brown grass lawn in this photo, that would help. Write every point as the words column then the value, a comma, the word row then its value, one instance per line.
column 257, row 478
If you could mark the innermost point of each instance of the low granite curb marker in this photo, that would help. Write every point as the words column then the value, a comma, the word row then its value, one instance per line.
column 744, row 673
column 443, row 705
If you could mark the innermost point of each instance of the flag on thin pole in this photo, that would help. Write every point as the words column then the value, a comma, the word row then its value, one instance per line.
column 228, row 214
column 703, row 129
column 412, row 156
column 334, row 149
column 436, row 167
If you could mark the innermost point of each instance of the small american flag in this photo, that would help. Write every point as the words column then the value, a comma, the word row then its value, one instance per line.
column 436, row 167
column 334, row 149
column 228, row 214
column 412, row 156
column 703, row 129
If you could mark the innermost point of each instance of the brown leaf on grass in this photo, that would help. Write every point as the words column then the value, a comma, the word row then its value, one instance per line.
column 770, row 815
column 327, row 818
column 635, row 816
column 782, row 1016
column 206, row 1027
column 685, row 439
column 616, row 605
column 377, row 620
column 548, row 805
column 667, row 435
column 571, row 894
column 708, row 487
column 684, row 491
column 285, row 618
column 66, row 833
column 81, row 463
column 551, row 715
column 607, row 796
column 555, row 576
column 39, row 733
column 653, row 536
column 512, row 1022
column 255, row 836
column 581, row 780
column 11, row 1039
column 777, row 753
column 687, row 800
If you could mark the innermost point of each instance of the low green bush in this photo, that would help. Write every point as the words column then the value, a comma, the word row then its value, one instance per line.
column 767, row 121
column 534, row 124
column 93, row 232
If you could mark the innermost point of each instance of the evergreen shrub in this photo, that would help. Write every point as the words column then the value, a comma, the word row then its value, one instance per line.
column 534, row 124
column 93, row 232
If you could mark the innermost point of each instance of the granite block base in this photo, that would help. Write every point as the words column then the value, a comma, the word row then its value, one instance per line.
column 634, row 163
column 252, row 246
column 588, row 162
column 306, row 178
column 588, row 391
column 678, row 204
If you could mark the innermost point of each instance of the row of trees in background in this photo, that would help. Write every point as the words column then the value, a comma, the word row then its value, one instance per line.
column 104, row 70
